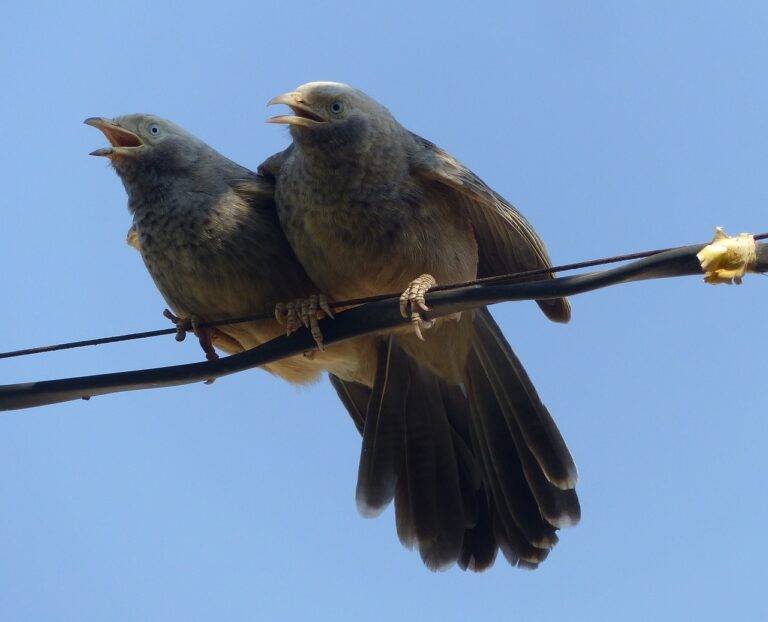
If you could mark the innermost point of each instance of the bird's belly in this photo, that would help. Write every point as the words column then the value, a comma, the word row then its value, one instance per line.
column 236, row 278
column 204, row 284
column 358, row 253
column 344, row 268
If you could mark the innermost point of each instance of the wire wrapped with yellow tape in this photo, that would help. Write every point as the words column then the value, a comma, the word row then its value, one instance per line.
column 728, row 258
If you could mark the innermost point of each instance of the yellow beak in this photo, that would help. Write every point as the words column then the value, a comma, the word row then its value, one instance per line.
column 123, row 141
column 303, row 115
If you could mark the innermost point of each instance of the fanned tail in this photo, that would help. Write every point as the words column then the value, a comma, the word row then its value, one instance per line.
column 472, row 467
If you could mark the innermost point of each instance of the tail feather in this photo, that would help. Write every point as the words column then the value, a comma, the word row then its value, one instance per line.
column 408, row 453
column 470, row 475
column 420, row 469
column 474, row 466
column 513, row 544
column 511, row 549
column 559, row 507
column 556, row 309
column 433, row 475
column 469, row 494
column 381, row 456
column 479, row 549
column 355, row 398
column 513, row 498
column 451, row 517
column 536, row 424
column 406, row 527
column 502, row 528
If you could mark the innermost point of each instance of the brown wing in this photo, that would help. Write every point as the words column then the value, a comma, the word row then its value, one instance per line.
column 506, row 240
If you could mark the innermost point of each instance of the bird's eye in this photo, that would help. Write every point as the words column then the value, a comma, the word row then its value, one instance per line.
column 337, row 107
column 154, row 129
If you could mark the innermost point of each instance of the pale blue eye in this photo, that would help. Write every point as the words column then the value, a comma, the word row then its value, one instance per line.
column 337, row 107
column 154, row 129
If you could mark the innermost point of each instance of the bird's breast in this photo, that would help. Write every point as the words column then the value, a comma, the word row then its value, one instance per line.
column 344, row 242
column 202, row 265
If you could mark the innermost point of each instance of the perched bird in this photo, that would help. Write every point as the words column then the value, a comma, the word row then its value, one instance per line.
column 456, row 434
column 207, row 230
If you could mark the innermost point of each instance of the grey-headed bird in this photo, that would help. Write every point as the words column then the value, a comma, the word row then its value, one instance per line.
column 207, row 230
column 463, row 444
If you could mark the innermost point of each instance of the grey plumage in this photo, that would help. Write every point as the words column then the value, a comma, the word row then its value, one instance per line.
column 474, row 460
column 452, row 428
column 207, row 230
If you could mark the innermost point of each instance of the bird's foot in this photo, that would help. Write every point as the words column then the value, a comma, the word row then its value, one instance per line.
column 304, row 311
column 412, row 302
column 182, row 325
column 204, row 335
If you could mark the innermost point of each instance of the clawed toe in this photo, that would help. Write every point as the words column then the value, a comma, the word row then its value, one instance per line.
column 286, row 313
column 206, row 342
column 322, row 301
column 316, row 308
column 418, row 323
column 183, row 325
column 306, row 312
column 413, row 298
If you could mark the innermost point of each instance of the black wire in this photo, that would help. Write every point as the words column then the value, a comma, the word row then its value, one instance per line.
column 504, row 278
column 370, row 318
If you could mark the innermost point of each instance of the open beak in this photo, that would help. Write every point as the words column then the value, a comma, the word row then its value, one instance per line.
column 302, row 115
column 123, row 141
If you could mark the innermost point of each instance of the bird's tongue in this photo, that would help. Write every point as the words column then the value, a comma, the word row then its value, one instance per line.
column 119, row 137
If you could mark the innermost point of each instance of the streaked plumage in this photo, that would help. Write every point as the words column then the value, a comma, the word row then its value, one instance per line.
column 454, row 430
column 208, row 233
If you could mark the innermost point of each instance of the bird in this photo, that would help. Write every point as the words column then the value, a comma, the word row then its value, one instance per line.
column 208, row 233
column 458, row 438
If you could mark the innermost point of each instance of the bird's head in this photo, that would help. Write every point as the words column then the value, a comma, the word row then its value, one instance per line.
column 333, row 116
column 145, row 147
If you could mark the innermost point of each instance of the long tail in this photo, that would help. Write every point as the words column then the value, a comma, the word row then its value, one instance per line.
column 409, row 454
column 472, row 468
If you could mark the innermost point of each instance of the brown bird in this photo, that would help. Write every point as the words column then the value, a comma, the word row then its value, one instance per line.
column 209, row 235
column 455, row 432
column 207, row 230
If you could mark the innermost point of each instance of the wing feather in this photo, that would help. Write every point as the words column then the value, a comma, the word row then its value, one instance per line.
column 506, row 240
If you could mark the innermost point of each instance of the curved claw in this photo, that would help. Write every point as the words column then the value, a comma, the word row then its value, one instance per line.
column 205, row 337
column 316, row 311
column 413, row 298
column 323, row 302
column 182, row 326
column 307, row 312
column 418, row 323
column 404, row 303
column 292, row 318
column 304, row 312
column 192, row 323
column 285, row 314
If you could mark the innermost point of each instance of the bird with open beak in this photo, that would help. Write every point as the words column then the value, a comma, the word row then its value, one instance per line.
column 369, row 208
column 207, row 230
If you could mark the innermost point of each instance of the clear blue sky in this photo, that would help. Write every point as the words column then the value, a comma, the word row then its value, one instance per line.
column 614, row 126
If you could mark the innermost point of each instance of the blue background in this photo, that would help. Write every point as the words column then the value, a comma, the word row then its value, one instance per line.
column 615, row 126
